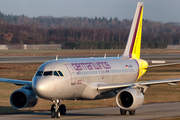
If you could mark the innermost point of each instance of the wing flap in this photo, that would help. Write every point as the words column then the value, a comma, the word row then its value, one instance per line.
column 16, row 82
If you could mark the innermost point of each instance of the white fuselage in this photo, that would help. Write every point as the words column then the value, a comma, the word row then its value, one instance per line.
column 81, row 77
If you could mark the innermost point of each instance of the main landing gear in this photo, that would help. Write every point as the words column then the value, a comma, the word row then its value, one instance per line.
column 123, row 112
column 57, row 110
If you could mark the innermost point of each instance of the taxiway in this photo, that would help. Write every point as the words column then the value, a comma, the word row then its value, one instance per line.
column 147, row 111
column 40, row 59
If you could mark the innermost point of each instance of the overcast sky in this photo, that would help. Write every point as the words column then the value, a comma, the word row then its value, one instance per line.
column 156, row 10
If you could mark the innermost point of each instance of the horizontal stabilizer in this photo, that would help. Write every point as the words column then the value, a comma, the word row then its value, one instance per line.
column 162, row 65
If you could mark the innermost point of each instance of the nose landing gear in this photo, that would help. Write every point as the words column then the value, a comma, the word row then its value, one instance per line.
column 57, row 110
column 123, row 112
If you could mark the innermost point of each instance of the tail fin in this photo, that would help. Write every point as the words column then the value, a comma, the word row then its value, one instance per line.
column 133, row 45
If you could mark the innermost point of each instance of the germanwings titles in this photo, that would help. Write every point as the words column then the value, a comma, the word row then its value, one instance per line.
column 91, row 78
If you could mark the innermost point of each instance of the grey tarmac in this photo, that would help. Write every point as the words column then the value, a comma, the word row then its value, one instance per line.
column 145, row 112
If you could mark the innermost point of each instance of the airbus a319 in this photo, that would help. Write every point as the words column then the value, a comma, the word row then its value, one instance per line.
column 91, row 78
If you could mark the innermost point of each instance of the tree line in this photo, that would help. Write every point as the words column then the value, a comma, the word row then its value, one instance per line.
column 109, row 45
column 88, row 32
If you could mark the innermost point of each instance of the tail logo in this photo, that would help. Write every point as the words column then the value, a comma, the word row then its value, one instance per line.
column 136, row 46
column 133, row 45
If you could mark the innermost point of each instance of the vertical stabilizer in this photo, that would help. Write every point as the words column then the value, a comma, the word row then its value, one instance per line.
column 133, row 45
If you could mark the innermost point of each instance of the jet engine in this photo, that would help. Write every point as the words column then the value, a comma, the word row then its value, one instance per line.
column 129, row 99
column 23, row 99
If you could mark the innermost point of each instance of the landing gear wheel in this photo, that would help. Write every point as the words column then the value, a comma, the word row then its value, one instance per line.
column 62, row 109
column 52, row 111
column 56, row 109
column 132, row 112
column 58, row 114
column 123, row 112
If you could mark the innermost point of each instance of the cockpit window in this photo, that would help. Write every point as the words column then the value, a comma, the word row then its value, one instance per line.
column 55, row 73
column 39, row 73
column 60, row 73
column 50, row 73
column 47, row 73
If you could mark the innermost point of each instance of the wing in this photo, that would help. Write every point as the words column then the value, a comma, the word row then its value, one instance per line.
column 16, row 82
column 112, row 87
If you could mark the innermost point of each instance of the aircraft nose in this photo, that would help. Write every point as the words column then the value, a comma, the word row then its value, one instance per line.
column 40, row 89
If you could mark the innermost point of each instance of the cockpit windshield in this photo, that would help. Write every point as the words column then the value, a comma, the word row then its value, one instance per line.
column 49, row 73
column 60, row 73
column 39, row 73
column 55, row 73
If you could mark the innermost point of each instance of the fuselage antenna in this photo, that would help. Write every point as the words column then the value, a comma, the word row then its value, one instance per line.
column 105, row 55
column 56, row 57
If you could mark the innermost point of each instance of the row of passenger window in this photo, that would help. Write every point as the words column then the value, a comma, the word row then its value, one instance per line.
column 49, row 73
column 105, row 71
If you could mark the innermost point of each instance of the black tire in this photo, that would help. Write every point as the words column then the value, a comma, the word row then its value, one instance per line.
column 62, row 109
column 58, row 114
column 132, row 112
column 52, row 111
column 123, row 112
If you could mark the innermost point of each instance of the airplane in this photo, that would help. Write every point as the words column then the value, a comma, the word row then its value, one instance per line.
column 91, row 78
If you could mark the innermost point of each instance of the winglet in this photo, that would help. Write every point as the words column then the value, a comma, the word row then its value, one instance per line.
column 133, row 45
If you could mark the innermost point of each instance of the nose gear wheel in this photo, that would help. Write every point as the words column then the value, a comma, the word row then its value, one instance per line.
column 57, row 110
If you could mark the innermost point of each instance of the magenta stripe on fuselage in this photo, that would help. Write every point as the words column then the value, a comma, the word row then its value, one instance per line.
column 134, row 37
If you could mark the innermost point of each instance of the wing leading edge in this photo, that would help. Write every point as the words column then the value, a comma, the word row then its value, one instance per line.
column 16, row 82
column 112, row 87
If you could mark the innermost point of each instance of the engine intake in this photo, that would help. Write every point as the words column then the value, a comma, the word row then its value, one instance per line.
column 129, row 99
column 23, row 99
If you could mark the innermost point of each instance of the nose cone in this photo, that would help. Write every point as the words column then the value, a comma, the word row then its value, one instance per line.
column 40, row 88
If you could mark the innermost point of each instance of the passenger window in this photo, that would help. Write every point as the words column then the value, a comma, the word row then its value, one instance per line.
column 55, row 73
column 60, row 73
column 39, row 73
column 47, row 73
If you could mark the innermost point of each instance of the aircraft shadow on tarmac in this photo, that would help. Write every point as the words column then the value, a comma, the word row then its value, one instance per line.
column 68, row 114
column 79, row 114
column 5, row 110
column 13, row 111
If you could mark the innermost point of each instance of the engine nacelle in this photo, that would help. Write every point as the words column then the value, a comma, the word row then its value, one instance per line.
column 129, row 99
column 23, row 99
